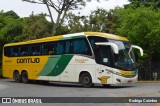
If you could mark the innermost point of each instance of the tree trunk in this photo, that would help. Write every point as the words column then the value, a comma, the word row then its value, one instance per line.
column 54, row 30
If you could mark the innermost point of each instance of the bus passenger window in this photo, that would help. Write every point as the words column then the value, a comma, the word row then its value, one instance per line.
column 60, row 48
column 24, row 53
column 80, row 46
column 36, row 52
column 14, row 51
column 51, row 51
column 7, row 51
column 24, row 50
column 35, row 49
column 48, row 48
column 68, row 47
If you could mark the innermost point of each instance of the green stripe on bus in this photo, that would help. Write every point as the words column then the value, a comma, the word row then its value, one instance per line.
column 49, row 66
column 135, row 72
column 76, row 37
column 73, row 37
column 61, row 65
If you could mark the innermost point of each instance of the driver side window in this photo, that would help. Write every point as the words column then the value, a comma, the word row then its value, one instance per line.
column 103, row 55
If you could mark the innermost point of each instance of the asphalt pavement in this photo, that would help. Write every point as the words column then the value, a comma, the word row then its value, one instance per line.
column 9, row 88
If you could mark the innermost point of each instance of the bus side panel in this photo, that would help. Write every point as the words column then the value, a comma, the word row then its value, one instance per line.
column 7, row 65
column 48, row 70
column 84, row 64
column 76, row 66
column 10, row 64
column 56, row 68
column 90, row 68
column 69, row 73
column 39, row 71
column 7, row 70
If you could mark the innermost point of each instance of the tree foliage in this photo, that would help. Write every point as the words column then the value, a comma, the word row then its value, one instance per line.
column 146, row 3
column 35, row 26
column 11, row 14
column 61, row 7
column 99, row 20
column 11, row 30
column 141, row 26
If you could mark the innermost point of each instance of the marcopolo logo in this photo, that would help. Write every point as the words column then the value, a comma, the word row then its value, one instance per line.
column 6, row 100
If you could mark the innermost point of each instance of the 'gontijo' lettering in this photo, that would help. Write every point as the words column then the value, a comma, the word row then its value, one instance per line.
column 28, row 60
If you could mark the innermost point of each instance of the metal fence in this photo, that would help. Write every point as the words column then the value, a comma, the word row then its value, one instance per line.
column 149, row 71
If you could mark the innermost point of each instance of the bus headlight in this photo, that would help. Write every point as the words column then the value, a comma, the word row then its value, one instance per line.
column 114, row 72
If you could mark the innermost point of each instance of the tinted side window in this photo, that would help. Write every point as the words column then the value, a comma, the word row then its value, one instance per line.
column 35, row 49
column 7, row 51
column 94, row 39
column 103, row 55
column 23, row 50
column 48, row 48
column 68, row 45
column 80, row 46
column 77, row 46
column 60, row 48
column 15, row 51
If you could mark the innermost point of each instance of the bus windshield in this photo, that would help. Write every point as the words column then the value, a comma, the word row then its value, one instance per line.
column 124, row 60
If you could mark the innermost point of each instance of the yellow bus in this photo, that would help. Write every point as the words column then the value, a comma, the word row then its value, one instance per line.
column 87, row 58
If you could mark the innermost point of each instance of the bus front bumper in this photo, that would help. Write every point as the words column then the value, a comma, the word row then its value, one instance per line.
column 123, row 80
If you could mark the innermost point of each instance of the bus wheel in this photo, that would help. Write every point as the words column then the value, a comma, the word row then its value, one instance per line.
column 25, row 77
column 17, row 76
column 86, row 80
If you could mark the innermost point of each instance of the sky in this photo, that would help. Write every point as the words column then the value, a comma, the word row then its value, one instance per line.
column 24, row 9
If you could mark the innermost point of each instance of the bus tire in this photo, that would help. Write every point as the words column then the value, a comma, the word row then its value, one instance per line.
column 17, row 76
column 86, row 80
column 25, row 77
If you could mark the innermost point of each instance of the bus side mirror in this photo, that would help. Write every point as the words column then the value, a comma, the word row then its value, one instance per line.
column 113, row 45
column 137, row 47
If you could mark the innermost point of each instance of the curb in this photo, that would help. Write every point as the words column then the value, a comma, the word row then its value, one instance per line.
column 148, row 81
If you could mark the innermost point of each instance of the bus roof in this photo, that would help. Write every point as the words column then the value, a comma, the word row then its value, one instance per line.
column 70, row 36
column 106, row 35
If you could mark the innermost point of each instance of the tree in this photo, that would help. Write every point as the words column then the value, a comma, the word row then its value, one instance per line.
column 141, row 26
column 9, row 26
column 11, row 30
column 4, row 19
column 76, row 23
column 99, row 20
column 103, row 21
column 11, row 14
column 35, row 26
column 61, row 7
column 147, row 3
